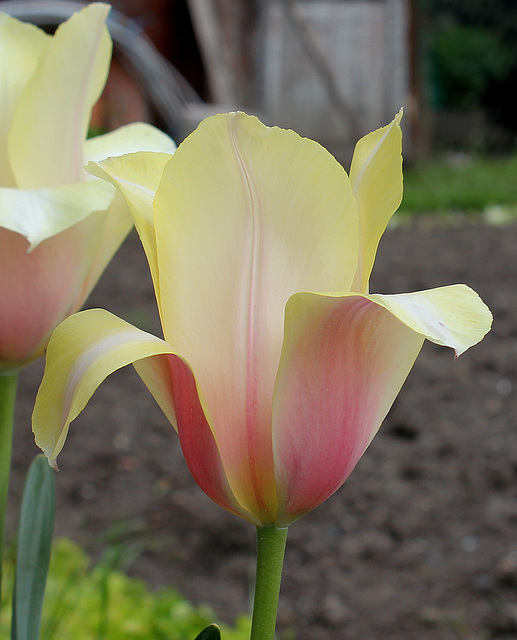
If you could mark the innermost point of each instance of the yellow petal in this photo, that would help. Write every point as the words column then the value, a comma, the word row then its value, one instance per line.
column 246, row 215
column 138, row 175
column 83, row 351
column 21, row 46
column 39, row 214
column 452, row 316
column 111, row 228
column 376, row 177
column 53, row 113
column 121, row 172
column 130, row 138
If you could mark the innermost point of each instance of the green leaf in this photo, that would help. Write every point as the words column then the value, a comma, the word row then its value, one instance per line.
column 212, row 632
column 33, row 556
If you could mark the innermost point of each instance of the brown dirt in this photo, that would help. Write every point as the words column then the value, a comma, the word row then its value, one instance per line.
column 421, row 541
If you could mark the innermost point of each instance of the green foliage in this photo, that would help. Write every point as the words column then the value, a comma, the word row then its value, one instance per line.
column 461, row 184
column 465, row 60
column 34, row 548
column 90, row 604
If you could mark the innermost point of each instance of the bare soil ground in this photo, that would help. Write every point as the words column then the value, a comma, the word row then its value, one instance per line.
column 420, row 542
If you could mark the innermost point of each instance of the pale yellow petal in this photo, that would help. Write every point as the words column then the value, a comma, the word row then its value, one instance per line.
column 138, row 198
column 39, row 214
column 46, row 141
column 111, row 228
column 246, row 215
column 130, row 138
column 156, row 374
column 376, row 177
column 452, row 316
column 138, row 175
column 21, row 45
column 84, row 349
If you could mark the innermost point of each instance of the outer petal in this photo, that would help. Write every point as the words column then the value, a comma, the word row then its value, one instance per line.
column 452, row 316
column 343, row 363
column 245, row 216
column 138, row 175
column 82, row 352
column 39, row 214
column 52, row 116
column 376, row 177
column 21, row 46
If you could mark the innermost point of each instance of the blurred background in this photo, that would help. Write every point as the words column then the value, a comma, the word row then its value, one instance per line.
column 330, row 69
column 335, row 69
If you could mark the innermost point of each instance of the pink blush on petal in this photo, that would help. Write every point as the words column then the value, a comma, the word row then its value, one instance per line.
column 37, row 292
column 197, row 441
column 344, row 367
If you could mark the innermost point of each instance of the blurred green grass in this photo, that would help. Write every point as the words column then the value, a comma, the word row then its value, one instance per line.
column 97, row 603
column 461, row 183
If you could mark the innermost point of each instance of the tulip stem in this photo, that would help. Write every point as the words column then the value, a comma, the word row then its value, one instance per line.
column 271, row 542
column 8, row 384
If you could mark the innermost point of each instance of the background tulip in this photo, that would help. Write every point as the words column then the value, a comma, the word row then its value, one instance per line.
column 58, row 227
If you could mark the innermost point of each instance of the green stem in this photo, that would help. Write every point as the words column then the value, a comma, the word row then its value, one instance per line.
column 271, row 542
column 8, row 384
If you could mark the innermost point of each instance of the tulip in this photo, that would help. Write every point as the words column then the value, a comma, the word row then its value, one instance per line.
column 59, row 227
column 278, row 366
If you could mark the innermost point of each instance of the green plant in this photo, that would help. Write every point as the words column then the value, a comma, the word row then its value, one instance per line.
column 92, row 603
column 469, row 185
column 465, row 60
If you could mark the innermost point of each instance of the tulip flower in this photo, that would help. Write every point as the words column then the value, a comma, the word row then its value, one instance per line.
column 278, row 366
column 59, row 227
